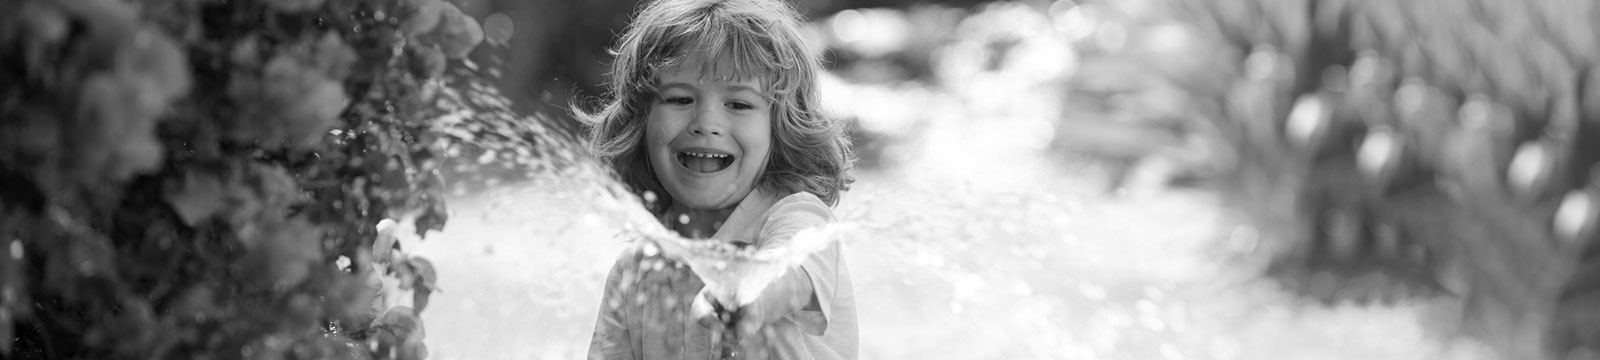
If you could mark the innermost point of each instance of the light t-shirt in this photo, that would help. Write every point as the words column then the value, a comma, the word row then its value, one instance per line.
column 644, row 313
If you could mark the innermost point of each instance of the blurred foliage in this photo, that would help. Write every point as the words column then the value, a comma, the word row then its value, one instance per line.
column 558, row 50
column 1453, row 142
column 194, row 178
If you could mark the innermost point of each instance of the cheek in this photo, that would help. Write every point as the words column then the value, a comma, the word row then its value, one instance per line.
column 758, row 140
column 657, row 130
column 656, row 137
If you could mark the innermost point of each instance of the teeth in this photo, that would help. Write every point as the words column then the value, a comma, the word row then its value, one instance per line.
column 706, row 155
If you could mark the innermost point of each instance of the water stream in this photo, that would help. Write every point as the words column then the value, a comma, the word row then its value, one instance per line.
column 974, row 242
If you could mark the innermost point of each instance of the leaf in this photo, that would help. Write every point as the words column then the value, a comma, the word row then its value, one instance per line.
column 291, row 102
column 403, row 271
column 457, row 33
column 431, row 219
column 399, row 334
column 419, row 299
column 424, row 16
column 385, row 243
column 196, row 198
column 424, row 273
column 426, row 61
column 373, row 296
column 286, row 252
column 331, row 56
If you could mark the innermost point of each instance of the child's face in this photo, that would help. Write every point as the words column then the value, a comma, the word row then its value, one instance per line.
column 708, row 139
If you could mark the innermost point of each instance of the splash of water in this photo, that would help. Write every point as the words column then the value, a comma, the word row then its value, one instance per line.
column 737, row 274
column 477, row 114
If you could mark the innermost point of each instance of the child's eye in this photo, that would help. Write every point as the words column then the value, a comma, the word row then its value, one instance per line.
column 740, row 105
column 678, row 100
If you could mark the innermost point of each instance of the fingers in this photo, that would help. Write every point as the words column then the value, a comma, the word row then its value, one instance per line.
column 743, row 325
column 751, row 320
column 754, row 348
column 704, row 312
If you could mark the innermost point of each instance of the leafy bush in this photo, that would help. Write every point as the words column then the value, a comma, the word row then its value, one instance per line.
column 183, row 178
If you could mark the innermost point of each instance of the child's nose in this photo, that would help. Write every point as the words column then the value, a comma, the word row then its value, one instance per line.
column 708, row 122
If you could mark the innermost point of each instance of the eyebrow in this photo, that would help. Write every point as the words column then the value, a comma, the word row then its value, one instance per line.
column 670, row 85
column 687, row 86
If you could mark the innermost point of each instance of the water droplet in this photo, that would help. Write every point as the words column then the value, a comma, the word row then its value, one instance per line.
column 1477, row 112
column 1411, row 95
column 16, row 249
column 499, row 28
column 1574, row 216
column 683, row 219
column 649, row 197
column 1262, row 62
column 1530, row 168
column 1308, row 121
column 1378, row 153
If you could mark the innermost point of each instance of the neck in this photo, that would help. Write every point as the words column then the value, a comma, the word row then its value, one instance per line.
column 695, row 223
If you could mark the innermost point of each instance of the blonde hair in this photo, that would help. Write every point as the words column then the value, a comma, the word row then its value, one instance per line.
column 726, row 39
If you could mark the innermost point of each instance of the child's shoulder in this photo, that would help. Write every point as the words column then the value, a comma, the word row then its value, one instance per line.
column 799, row 204
column 800, row 197
column 762, row 212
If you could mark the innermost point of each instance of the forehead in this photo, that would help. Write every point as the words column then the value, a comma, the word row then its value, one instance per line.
column 697, row 79
column 698, row 71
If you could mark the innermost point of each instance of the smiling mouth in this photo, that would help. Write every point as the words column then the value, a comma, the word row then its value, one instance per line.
column 704, row 162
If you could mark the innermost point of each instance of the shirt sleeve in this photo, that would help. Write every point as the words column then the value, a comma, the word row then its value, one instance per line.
column 788, row 217
column 612, row 339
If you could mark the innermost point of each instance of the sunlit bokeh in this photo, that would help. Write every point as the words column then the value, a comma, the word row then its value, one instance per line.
column 1017, row 200
column 1036, row 179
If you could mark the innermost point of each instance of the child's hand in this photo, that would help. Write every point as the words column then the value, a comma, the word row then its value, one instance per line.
column 789, row 293
column 735, row 327
column 746, row 320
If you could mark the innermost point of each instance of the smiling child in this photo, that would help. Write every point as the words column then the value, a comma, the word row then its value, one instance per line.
column 713, row 114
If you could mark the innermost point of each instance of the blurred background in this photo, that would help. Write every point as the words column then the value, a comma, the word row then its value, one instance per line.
column 1127, row 179
column 1044, row 179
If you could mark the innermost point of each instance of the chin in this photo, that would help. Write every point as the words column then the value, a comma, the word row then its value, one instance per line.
column 711, row 200
column 706, row 203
